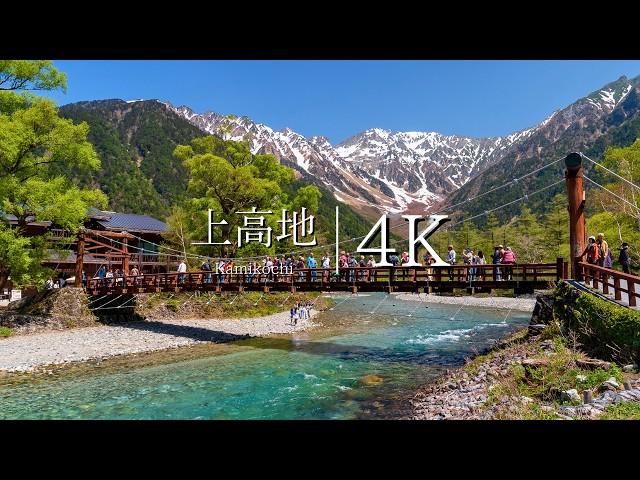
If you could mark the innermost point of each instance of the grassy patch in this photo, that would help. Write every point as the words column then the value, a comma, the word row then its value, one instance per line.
column 622, row 411
column 542, row 381
column 5, row 332
column 473, row 365
column 228, row 305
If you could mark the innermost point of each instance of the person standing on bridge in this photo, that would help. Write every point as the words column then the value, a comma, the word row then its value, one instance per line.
column 605, row 259
column 109, row 276
column 182, row 268
column 312, row 263
column 625, row 259
column 220, row 270
column 102, row 272
column 479, row 260
column 352, row 262
column 467, row 260
column 206, row 267
column 451, row 260
column 496, row 259
column 371, row 263
column 428, row 260
column 362, row 264
column 508, row 258
column 592, row 251
column 134, row 273
column 326, row 265
column 472, row 261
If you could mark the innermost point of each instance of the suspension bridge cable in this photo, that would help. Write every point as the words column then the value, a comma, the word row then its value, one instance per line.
column 106, row 303
column 611, row 172
column 511, row 182
column 612, row 193
column 524, row 197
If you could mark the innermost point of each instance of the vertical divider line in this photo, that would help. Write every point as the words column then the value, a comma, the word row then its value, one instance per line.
column 337, row 240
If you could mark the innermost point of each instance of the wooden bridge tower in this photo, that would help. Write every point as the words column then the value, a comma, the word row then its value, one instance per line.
column 576, row 196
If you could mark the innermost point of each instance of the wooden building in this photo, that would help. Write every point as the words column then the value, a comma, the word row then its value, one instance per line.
column 115, row 240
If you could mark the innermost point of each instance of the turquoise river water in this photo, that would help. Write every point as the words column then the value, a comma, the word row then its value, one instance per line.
column 367, row 358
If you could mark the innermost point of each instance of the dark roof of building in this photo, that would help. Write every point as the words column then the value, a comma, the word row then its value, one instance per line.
column 108, row 220
column 129, row 222
column 13, row 220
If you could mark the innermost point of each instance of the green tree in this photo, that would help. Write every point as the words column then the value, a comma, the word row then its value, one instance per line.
column 626, row 163
column 34, row 139
column 227, row 178
column 529, row 234
column 492, row 225
column 556, row 228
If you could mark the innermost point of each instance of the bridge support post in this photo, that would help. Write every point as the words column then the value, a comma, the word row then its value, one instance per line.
column 559, row 268
column 575, row 194
column 79, row 260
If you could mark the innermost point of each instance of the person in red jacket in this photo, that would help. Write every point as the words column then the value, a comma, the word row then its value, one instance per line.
column 591, row 251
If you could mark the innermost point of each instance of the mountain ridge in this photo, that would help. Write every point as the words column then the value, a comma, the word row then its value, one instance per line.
column 383, row 171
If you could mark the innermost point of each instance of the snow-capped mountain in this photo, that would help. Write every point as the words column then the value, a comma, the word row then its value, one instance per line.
column 377, row 169
column 383, row 171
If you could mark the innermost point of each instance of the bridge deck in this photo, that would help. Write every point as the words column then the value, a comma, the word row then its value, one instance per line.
column 523, row 277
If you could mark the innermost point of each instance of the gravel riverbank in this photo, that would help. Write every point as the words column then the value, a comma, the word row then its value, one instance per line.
column 523, row 303
column 29, row 352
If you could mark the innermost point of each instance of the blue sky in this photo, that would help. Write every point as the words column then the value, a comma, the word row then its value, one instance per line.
column 338, row 99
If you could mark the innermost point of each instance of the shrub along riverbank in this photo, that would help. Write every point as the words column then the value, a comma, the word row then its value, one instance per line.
column 604, row 329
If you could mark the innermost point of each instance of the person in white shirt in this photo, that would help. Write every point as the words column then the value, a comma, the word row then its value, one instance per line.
column 268, row 267
column 451, row 260
column 182, row 268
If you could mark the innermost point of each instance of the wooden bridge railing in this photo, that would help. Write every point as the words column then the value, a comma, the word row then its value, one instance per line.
column 608, row 279
column 318, row 278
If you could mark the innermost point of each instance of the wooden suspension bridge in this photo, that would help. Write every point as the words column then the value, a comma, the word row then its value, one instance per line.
column 521, row 278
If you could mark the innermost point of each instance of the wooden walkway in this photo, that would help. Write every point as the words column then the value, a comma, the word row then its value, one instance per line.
column 523, row 278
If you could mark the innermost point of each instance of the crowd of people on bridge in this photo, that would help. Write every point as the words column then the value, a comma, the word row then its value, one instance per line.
column 353, row 267
column 597, row 252
column 503, row 256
